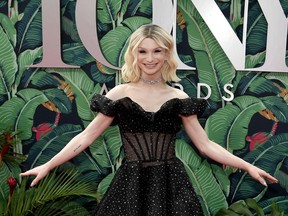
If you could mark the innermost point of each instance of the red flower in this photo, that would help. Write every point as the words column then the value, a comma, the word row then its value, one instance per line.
column 4, row 150
column 12, row 184
column 8, row 137
column 257, row 139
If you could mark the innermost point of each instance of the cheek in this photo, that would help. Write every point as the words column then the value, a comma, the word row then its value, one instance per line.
column 161, row 56
column 140, row 62
column 140, row 57
column 162, row 59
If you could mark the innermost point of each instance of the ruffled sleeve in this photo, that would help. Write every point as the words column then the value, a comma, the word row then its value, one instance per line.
column 100, row 103
column 192, row 106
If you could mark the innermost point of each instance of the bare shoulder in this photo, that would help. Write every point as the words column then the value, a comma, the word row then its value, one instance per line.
column 117, row 92
column 177, row 93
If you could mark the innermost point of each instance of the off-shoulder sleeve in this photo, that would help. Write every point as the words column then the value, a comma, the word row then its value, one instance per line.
column 100, row 103
column 192, row 106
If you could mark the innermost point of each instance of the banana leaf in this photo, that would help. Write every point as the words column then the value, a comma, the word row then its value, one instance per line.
column 29, row 27
column 83, row 88
column 60, row 99
column 42, row 80
column 228, row 126
column 267, row 157
column 26, row 59
column 107, row 11
column 256, row 85
column 143, row 7
column 9, row 28
column 76, row 54
column 202, row 178
column 8, row 65
column 103, row 186
column 277, row 106
column 281, row 201
column 18, row 112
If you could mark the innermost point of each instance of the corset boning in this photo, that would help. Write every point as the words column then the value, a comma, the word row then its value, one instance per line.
column 148, row 147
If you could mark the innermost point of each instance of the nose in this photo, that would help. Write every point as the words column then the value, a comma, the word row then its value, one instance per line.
column 150, row 57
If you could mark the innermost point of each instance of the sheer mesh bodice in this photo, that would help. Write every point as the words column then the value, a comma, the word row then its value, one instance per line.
column 151, row 180
column 148, row 146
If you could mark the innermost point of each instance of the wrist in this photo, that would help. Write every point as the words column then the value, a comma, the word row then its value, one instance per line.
column 49, row 165
column 246, row 166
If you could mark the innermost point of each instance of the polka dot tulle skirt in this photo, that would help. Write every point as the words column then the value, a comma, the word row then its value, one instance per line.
column 162, row 189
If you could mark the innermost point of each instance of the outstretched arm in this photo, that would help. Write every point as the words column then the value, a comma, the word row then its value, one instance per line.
column 216, row 152
column 73, row 148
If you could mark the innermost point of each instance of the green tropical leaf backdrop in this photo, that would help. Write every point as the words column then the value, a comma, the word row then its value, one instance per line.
column 49, row 106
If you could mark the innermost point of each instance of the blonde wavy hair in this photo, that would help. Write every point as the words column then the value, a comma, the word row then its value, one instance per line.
column 130, row 70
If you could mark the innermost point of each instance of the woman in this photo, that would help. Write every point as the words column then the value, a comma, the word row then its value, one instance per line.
column 151, row 180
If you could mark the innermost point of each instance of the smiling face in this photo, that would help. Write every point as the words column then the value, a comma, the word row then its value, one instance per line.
column 150, row 58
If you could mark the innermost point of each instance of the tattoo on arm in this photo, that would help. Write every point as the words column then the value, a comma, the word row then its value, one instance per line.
column 77, row 148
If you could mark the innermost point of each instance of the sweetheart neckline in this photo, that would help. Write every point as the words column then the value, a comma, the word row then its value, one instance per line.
column 139, row 106
column 152, row 112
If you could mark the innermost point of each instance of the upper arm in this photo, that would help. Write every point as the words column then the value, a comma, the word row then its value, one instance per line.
column 195, row 132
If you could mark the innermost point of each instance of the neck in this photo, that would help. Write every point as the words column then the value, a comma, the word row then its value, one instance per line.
column 151, row 81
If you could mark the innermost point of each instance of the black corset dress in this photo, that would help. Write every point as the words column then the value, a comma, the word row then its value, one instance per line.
column 151, row 181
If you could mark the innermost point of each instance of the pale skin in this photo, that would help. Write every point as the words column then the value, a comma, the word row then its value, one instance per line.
column 150, row 58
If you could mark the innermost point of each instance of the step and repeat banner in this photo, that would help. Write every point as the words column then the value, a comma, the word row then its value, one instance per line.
column 56, row 54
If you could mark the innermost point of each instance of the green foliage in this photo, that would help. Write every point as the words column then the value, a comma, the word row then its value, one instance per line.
column 53, row 195
column 249, row 207
column 18, row 112
column 267, row 157
column 274, row 205
column 228, row 125
column 103, row 186
column 201, row 176
column 81, row 86
column 8, row 64
column 29, row 27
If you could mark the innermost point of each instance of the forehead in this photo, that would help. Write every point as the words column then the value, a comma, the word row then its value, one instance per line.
column 148, row 43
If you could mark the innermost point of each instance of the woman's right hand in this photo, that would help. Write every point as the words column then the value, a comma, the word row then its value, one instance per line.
column 40, row 172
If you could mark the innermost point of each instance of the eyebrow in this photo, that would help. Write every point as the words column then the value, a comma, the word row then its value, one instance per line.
column 155, row 48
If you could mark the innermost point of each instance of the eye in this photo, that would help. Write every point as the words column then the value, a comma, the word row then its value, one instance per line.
column 158, row 50
column 141, row 51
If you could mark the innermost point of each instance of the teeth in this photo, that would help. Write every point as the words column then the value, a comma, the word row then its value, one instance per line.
column 150, row 65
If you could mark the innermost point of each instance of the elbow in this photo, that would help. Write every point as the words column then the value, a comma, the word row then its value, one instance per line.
column 83, row 139
column 204, row 147
column 86, row 138
column 202, row 152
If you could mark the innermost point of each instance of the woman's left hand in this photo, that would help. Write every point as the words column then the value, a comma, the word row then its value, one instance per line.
column 260, row 175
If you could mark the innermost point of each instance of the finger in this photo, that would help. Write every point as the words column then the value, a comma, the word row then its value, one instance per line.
column 27, row 173
column 24, row 174
column 262, row 181
column 271, row 178
column 35, row 181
